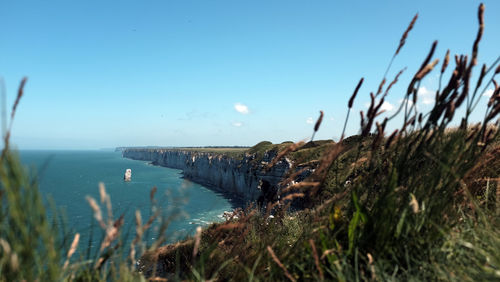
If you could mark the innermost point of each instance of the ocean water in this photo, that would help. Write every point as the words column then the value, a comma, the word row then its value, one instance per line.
column 67, row 177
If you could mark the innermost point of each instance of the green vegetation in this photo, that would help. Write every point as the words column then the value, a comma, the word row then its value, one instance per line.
column 421, row 203
column 233, row 152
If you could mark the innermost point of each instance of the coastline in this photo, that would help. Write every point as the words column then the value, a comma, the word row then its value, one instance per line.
column 236, row 178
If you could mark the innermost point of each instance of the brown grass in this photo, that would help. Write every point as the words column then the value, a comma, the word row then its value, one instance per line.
column 405, row 34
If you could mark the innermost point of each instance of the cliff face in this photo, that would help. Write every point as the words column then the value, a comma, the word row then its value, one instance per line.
column 239, row 177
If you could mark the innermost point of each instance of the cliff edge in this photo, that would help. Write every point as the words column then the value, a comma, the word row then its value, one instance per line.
column 239, row 175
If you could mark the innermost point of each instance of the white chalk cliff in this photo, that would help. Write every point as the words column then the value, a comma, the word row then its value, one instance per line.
column 239, row 177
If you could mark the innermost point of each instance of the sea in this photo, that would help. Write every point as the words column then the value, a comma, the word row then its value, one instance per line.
column 65, row 178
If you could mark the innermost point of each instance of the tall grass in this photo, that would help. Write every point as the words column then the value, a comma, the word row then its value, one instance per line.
column 419, row 203
column 402, row 205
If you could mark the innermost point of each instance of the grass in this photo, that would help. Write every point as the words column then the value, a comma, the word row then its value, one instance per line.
column 233, row 152
column 419, row 203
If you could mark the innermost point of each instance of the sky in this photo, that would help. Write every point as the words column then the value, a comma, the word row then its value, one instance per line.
column 103, row 74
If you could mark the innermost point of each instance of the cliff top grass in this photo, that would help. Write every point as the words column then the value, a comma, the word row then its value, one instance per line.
column 233, row 152
column 309, row 151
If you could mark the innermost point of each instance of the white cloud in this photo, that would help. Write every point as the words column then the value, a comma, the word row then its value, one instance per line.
column 488, row 93
column 237, row 124
column 423, row 91
column 310, row 120
column 426, row 95
column 241, row 108
column 427, row 101
column 386, row 106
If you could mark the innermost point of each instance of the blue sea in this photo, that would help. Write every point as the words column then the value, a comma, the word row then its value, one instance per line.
column 67, row 177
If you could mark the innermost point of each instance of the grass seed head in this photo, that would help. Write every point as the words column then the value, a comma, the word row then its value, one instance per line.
column 353, row 96
column 405, row 34
column 318, row 122
column 446, row 61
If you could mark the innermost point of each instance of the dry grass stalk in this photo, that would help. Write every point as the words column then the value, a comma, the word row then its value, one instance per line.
column 298, row 186
column 105, row 198
column 362, row 119
column 5, row 246
column 353, row 96
column 458, row 60
column 139, row 230
column 72, row 249
column 379, row 113
column 428, row 68
column 370, row 258
column 327, row 160
column 495, row 96
column 102, row 192
column 391, row 138
column 7, row 251
column 97, row 211
column 152, row 194
column 278, row 262
column 283, row 153
column 380, row 133
column 394, row 81
column 159, row 279
column 450, row 110
column 327, row 252
column 359, row 162
column 495, row 93
column 372, row 267
column 150, row 220
column 446, row 61
column 425, row 66
column 294, row 175
column 316, row 259
column 197, row 240
column 405, row 34
column 414, row 204
column 409, row 122
column 333, row 199
column 292, row 196
column 481, row 76
column 138, row 224
column 20, row 92
column 349, row 106
column 318, row 123
column 14, row 262
column 381, row 85
column 494, row 112
column 132, row 255
column 373, row 112
column 480, row 15
column 112, row 233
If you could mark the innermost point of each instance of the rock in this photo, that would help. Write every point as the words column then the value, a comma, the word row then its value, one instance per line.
column 128, row 175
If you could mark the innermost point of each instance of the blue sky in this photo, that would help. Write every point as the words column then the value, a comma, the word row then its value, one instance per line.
column 191, row 73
